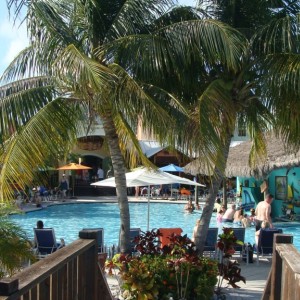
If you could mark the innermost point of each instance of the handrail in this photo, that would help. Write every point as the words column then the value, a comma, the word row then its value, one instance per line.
column 284, row 278
column 69, row 273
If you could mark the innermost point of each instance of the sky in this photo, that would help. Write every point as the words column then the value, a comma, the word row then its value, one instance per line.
column 13, row 38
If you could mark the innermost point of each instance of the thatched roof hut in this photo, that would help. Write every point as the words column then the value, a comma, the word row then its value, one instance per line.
column 238, row 160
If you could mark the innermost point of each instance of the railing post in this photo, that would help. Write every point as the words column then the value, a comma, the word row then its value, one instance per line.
column 89, row 259
column 101, row 288
column 276, row 275
column 8, row 286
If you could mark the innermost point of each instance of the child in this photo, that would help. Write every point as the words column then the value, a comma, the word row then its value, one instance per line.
column 195, row 230
column 264, row 224
column 246, row 221
column 220, row 216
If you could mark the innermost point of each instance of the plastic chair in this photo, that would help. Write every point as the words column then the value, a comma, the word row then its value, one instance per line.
column 240, row 235
column 211, row 240
column 45, row 241
column 166, row 233
column 265, row 242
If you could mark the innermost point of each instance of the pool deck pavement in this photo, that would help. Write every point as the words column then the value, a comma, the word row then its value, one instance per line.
column 255, row 274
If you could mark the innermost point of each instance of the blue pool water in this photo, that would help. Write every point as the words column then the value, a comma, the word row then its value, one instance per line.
column 69, row 219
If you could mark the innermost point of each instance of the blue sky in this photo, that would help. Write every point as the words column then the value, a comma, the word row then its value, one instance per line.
column 13, row 39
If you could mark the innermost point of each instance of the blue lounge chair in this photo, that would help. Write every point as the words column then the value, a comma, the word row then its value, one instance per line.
column 240, row 235
column 134, row 232
column 265, row 242
column 211, row 240
column 45, row 241
column 100, row 237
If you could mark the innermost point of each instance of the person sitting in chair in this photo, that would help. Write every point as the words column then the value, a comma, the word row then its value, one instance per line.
column 264, row 224
column 40, row 225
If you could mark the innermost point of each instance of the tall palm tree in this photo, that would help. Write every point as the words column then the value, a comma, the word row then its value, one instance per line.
column 119, row 60
column 262, row 95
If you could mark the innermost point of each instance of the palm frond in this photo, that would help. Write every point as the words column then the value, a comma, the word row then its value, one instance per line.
column 39, row 139
column 15, row 247
column 74, row 66
column 278, row 36
column 21, row 100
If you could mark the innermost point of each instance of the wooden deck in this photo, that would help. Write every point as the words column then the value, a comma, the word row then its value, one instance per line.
column 70, row 273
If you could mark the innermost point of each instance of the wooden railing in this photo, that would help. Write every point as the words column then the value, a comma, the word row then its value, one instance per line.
column 284, row 279
column 71, row 273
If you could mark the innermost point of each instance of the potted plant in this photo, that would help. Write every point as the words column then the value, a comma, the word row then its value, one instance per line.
column 175, row 271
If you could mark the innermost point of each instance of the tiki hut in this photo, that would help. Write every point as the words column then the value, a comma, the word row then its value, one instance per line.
column 278, row 156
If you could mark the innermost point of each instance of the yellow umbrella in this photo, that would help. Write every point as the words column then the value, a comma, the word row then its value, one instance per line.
column 74, row 166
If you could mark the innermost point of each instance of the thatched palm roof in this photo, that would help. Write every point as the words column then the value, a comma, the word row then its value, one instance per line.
column 238, row 160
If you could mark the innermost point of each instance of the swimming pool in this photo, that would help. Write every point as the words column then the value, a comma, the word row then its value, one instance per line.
column 69, row 219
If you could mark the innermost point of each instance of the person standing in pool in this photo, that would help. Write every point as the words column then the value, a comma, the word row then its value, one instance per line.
column 263, row 211
column 229, row 213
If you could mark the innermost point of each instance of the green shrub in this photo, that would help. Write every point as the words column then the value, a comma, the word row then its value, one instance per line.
column 174, row 271
column 15, row 247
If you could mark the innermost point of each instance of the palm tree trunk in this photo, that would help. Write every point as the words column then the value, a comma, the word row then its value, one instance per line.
column 210, row 199
column 120, row 178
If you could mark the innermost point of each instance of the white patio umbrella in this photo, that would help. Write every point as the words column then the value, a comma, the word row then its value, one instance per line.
column 147, row 177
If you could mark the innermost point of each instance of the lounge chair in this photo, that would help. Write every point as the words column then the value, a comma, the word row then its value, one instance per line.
column 265, row 242
column 100, row 237
column 240, row 235
column 134, row 232
column 45, row 241
column 211, row 240
column 166, row 233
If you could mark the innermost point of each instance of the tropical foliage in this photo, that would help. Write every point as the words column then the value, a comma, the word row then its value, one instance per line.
column 262, row 94
column 15, row 247
column 229, row 269
column 120, row 61
column 175, row 271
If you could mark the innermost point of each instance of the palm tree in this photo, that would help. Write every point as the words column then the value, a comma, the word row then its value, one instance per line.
column 262, row 95
column 15, row 247
column 117, row 60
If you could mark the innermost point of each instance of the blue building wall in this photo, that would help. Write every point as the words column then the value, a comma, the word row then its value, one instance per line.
column 283, row 183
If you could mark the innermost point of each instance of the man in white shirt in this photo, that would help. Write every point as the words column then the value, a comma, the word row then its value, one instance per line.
column 100, row 174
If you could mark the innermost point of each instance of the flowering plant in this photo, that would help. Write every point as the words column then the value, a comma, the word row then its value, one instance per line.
column 228, row 269
column 173, row 271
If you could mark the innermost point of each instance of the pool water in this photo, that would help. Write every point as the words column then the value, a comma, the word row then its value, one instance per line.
column 69, row 219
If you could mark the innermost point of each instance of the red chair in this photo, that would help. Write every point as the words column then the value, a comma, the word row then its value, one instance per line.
column 166, row 233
